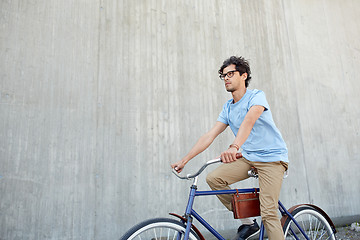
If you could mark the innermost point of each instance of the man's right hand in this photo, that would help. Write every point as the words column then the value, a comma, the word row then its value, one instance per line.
column 178, row 166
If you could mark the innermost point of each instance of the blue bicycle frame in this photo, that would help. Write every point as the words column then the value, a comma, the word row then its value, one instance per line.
column 190, row 212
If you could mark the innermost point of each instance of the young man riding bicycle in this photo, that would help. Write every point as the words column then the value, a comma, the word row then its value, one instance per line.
column 249, row 117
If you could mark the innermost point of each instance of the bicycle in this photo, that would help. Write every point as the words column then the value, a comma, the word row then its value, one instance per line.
column 303, row 221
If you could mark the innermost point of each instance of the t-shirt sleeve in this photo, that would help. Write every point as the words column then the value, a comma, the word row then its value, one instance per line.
column 223, row 117
column 259, row 98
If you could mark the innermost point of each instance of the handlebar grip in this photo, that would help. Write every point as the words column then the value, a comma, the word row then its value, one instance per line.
column 238, row 155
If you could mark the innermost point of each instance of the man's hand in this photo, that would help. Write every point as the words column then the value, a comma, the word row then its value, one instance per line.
column 178, row 166
column 230, row 155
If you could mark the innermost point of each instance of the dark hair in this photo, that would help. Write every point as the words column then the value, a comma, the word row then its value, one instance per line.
column 241, row 65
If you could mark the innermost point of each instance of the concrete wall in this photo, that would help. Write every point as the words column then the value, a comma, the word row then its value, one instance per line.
column 97, row 98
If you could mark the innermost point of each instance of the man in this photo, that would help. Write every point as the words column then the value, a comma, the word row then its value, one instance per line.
column 249, row 117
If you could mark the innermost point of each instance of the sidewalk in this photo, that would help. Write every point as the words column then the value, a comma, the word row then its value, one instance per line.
column 345, row 233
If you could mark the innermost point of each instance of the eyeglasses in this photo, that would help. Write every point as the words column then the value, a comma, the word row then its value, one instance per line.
column 229, row 74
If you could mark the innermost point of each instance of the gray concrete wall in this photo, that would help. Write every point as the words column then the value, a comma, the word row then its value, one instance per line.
column 97, row 98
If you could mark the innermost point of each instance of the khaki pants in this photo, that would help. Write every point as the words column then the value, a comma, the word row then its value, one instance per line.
column 270, row 179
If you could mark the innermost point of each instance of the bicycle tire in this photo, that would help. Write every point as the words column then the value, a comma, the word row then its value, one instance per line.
column 311, row 221
column 158, row 229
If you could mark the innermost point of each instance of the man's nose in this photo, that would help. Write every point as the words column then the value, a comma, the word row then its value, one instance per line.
column 226, row 77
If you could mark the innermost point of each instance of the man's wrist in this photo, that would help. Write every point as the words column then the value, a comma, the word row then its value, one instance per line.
column 234, row 146
column 185, row 161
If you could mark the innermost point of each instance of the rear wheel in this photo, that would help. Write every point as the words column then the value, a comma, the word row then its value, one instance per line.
column 311, row 221
column 158, row 229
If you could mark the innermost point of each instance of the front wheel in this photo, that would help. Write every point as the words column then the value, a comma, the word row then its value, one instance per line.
column 311, row 221
column 158, row 229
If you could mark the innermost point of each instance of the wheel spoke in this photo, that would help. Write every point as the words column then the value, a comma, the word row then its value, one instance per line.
column 311, row 233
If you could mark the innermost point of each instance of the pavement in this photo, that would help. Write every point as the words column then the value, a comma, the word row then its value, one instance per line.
column 343, row 233
column 346, row 233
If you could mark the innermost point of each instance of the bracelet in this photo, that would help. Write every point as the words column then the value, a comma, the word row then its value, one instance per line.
column 235, row 146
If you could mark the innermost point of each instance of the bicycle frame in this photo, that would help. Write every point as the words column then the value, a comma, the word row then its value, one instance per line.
column 190, row 212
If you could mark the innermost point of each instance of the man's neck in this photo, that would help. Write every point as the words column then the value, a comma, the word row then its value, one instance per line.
column 238, row 94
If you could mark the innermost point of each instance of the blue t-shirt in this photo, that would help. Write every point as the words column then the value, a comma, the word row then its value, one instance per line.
column 265, row 143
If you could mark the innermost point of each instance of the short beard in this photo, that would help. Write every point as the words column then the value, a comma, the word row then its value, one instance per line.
column 230, row 90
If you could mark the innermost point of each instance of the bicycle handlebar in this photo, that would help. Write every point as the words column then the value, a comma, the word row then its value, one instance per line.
column 252, row 172
column 190, row 176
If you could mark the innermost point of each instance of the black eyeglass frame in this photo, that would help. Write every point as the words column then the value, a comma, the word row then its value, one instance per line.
column 229, row 74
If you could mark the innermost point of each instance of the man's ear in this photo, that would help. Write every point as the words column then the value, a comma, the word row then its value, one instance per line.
column 244, row 75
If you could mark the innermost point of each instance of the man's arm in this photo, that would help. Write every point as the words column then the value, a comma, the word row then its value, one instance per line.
column 244, row 131
column 203, row 143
